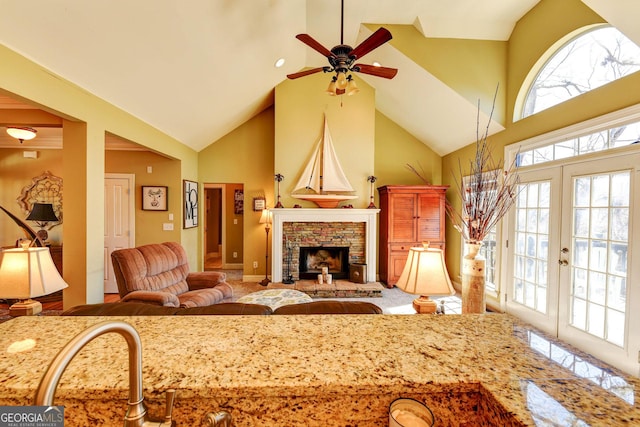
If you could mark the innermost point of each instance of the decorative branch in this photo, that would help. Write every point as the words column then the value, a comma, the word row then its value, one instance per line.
column 489, row 193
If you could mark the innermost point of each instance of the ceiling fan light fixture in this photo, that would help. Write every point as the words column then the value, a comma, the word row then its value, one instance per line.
column 21, row 133
column 341, row 82
column 331, row 90
column 352, row 88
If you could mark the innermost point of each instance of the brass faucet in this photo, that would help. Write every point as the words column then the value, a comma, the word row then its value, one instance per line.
column 136, row 414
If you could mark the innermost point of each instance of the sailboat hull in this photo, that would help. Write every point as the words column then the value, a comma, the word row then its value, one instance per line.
column 325, row 200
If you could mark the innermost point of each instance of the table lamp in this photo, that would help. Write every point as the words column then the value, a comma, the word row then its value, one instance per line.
column 425, row 273
column 26, row 273
column 42, row 214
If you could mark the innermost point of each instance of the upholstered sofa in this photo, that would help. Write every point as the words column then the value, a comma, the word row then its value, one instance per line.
column 139, row 309
column 159, row 274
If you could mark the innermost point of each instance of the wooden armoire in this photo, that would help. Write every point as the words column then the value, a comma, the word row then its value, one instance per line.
column 409, row 216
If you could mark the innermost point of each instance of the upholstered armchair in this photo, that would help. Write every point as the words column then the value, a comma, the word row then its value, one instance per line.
column 159, row 274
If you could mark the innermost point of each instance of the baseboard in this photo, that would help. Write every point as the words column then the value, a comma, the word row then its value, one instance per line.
column 252, row 278
column 233, row 266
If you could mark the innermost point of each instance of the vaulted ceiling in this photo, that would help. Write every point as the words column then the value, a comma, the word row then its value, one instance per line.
column 196, row 70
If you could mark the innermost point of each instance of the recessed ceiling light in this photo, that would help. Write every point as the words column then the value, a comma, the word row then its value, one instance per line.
column 376, row 64
column 279, row 63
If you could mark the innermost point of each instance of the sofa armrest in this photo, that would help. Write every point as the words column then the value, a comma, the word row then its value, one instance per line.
column 205, row 279
column 152, row 297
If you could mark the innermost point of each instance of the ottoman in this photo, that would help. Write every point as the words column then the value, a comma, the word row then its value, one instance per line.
column 275, row 298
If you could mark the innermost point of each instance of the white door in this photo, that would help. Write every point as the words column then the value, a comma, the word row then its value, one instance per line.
column 570, row 236
column 119, row 221
column 598, row 291
column 534, row 229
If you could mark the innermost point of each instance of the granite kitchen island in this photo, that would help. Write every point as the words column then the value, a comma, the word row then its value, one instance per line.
column 471, row 370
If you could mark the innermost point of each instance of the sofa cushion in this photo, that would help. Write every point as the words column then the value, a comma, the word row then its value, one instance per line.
column 227, row 308
column 141, row 309
column 120, row 309
column 330, row 307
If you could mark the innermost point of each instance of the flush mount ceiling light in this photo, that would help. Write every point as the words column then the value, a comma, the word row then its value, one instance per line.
column 342, row 60
column 22, row 133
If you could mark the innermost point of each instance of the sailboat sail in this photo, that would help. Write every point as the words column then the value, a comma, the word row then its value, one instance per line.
column 323, row 173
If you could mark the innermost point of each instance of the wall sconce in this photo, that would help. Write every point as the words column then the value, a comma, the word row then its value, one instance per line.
column 21, row 133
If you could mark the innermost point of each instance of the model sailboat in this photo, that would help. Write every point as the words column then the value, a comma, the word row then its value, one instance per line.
column 323, row 175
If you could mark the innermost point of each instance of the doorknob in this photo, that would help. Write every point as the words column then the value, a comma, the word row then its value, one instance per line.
column 564, row 250
column 563, row 262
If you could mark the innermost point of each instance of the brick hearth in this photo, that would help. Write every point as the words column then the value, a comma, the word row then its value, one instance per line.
column 339, row 289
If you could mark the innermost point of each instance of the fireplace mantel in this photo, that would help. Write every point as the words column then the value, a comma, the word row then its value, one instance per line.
column 281, row 216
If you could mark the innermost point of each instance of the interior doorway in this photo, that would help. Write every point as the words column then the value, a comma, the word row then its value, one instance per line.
column 213, row 254
column 223, row 226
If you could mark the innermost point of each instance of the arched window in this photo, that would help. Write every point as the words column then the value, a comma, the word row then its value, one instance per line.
column 590, row 60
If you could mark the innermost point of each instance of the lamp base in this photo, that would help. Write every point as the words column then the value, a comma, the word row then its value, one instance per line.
column 27, row 307
column 424, row 305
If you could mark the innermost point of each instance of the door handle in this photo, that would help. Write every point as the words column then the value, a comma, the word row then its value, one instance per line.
column 563, row 262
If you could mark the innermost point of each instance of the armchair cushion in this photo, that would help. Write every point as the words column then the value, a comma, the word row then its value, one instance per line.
column 152, row 297
column 154, row 272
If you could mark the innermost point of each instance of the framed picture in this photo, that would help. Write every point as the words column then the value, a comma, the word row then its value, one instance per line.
column 190, row 214
column 154, row 198
column 259, row 203
column 238, row 202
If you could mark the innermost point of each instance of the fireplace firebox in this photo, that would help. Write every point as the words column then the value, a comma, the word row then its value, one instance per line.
column 313, row 259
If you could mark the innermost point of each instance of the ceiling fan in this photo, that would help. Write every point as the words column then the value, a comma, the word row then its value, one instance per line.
column 342, row 57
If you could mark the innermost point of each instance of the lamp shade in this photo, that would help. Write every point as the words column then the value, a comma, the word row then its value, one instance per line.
column 42, row 212
column 265, row 218
column 425, row 273
column 28, row 273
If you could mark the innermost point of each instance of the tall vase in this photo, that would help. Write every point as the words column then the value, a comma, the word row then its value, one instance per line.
column 473, row 279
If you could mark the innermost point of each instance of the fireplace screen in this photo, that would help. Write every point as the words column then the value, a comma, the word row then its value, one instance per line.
column 312, row 259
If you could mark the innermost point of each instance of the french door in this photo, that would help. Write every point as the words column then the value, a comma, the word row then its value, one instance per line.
column 571, row 236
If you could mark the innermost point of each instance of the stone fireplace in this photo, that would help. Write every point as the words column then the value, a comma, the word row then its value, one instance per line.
column 352, row 229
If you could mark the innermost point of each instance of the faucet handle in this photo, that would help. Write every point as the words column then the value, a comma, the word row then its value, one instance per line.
column 168, row 408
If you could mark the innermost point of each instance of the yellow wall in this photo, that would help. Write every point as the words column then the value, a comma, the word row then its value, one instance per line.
column 300, row 107
column 165, row 172
column 244, row 156
column 234, row 223
column 530, row 40
column 473, row 68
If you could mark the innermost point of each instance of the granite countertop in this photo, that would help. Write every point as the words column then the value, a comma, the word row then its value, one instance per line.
column 324, row 370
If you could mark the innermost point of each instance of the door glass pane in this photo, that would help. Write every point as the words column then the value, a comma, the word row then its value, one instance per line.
column 599, row 261
column 532, row 245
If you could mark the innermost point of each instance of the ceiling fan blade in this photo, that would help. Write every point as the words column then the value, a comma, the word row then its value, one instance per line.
column 305, row 73
column 387, row 73
column 313, row 44
column 380, row 37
